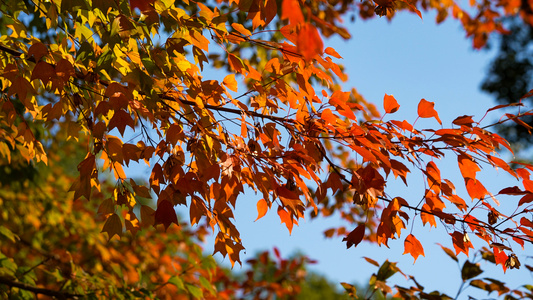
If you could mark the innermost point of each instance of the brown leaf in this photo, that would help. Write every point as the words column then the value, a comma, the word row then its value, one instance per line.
column 355, row 237
column 165, row 214
column 120, row 120
column 113, row 226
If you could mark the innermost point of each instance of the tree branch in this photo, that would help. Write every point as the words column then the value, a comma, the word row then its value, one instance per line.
column 37, row 290
column 481, row 224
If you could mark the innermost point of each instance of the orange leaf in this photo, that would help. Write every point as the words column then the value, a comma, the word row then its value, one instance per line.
column 113, row 226
column 500, row 257
column 355, row 237
column 285, row 218
column 262, row 208
column 289, row 32
column 200, row 41
column 413, row 8
column 505, row 106
column 464, row 120
column 244, row 127
column 328, row 116
column 413, row 247
column 475, row 189
column 527, row 95
column 118, row 171
column 502, row 164
column 241, row 29
column 230, row 82
column 468, row 167
column 426, row 110
column 427, row 218
column 390, row 104
column 433, row 174
column 371, row 261
column 290, row 9
column 525, row 222
column 309, row 43
column 461, row 242
column 332, row 52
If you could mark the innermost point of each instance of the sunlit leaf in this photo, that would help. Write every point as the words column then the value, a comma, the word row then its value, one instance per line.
column 426, row 110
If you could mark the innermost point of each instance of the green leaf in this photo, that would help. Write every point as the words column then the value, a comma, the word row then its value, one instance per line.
column 470, row 270
column 209, row 263
column 208, row 286
column 8, row 234
column 386, row 270
column 149, row 65
column 175, row 280
column 103, row 5
column 71, row 6
column 7, row 266
column 85, row 54
column 196, row 292
column 105, row 59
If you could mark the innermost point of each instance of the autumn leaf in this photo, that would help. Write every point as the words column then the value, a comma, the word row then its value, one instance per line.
column 461, row 242
column 142, row 5
column 241, row 29
column 355, row 237
column 43, row 71
column 463, row 120
column 120, row 120
column 286, row 218
column 37, row 50
column 413, row 247
column 291, row 10
column 470, row 270
column 449, row 252
column 230, row 82
column 299, row 128
column 332, row 52
column 308, row 42
column 21, row 87
column 468, row 166
column 390, row 104
column 475, row 189
column 262, row 208
column 426, row 110
column 165, row 214
column 113, row 226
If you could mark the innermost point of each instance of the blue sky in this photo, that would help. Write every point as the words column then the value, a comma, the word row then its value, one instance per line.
column 411, row 59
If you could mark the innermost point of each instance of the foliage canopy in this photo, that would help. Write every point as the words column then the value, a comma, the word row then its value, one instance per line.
column 116, row 83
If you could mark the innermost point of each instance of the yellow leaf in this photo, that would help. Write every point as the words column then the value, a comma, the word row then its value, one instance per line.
column 230, row 82
column 241, row 29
